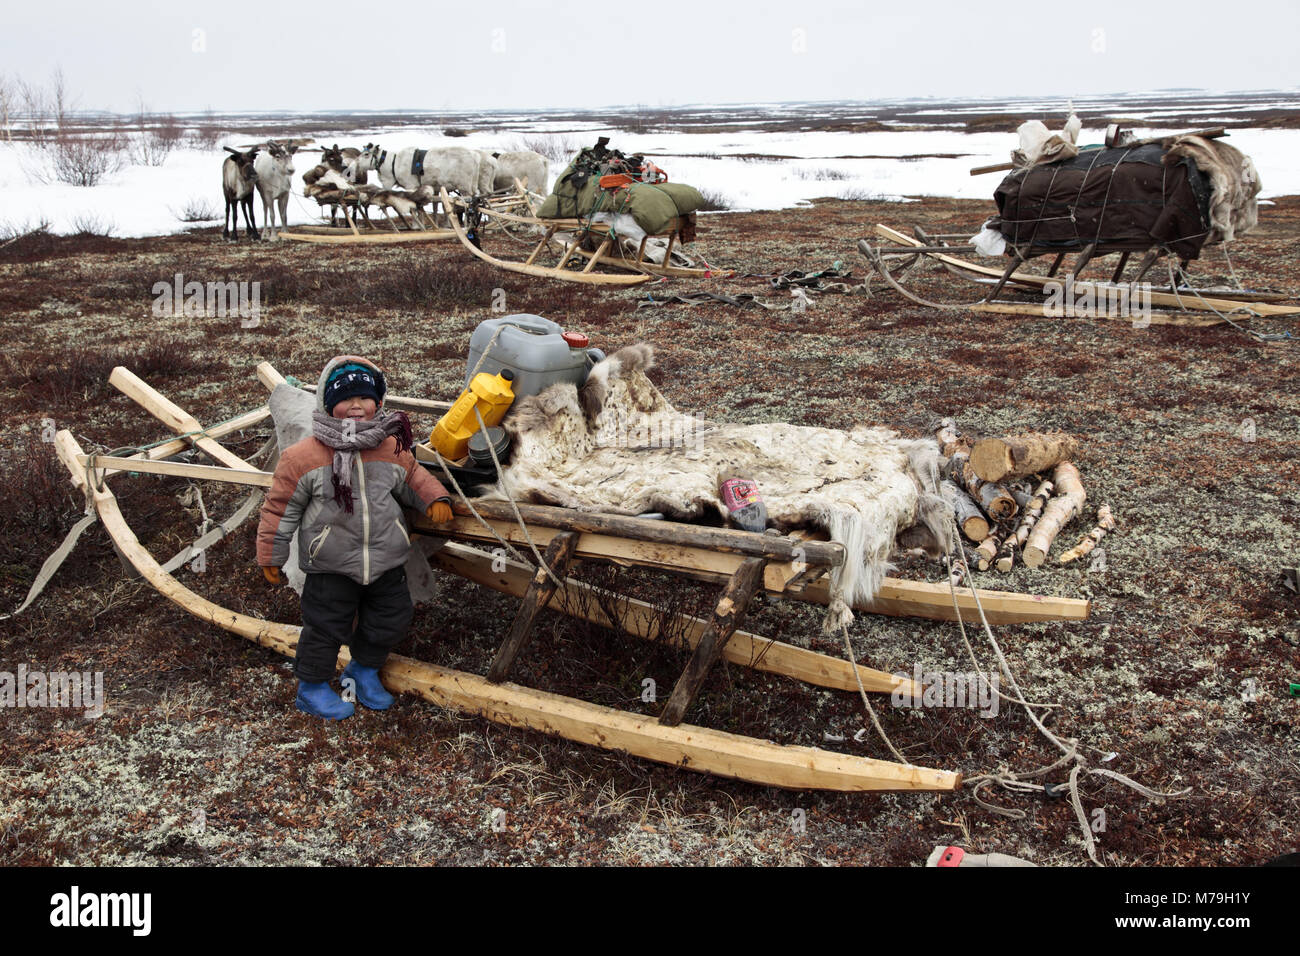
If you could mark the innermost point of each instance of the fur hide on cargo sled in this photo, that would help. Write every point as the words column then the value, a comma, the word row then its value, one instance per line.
column 619, row 447
column 1234, row 184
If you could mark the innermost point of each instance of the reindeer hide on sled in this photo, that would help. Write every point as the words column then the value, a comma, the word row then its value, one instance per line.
column 619, row 447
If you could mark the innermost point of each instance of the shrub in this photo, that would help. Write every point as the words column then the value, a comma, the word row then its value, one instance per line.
column 205, row 135
column 402, row 283
column 156, row 140
column 11, row 231
column 860, row 194
column 715, row 201
column 197, row 209
column 84, row 160
column 40, row 506
column 555, row 147
column 88, row 224
column 28, row 240
column 77, row 375
column 821, row 173
column 75, row 155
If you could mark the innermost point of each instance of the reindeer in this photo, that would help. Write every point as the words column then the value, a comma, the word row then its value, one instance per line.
column 404, row 204
column 487, row 171
column 425, row 196
column 274, row 170
column 329, row 188
column 523, row 164
column 344, row 161
column 458, row 169
column 238, row 177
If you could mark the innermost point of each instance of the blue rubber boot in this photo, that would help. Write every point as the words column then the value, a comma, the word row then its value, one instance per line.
column 320, row 700
column 367, row 687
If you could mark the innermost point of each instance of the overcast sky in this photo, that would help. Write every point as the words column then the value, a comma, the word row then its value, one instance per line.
column 323, row 54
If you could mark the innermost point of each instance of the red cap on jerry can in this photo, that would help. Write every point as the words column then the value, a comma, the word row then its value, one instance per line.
column 575, row 340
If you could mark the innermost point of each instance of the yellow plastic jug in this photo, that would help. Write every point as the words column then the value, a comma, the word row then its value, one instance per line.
column 491, row 395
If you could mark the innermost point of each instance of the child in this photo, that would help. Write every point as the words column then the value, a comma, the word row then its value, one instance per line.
column 343, row 491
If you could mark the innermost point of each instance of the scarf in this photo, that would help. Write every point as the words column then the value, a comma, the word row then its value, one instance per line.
column 347, row 437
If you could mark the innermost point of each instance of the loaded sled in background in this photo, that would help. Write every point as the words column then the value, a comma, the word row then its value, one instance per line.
column 606, row 209
column 1166, row 197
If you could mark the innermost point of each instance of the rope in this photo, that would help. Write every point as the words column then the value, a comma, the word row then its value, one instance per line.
column 1015, row 780
column 1110, row 181
column 1231, row 271
column 54, row 562
column 189, row 436
column 481, row 520
column 483, row 356
column 514, row 552
column 60, row 554
column 1259, row 336
column 961, row 625
column 862, row 692
column 211, row 536
column 505, row 490
column 203, row 511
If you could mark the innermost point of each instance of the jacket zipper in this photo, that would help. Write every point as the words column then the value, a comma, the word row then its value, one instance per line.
column 365, row 521
column 398, row 522
column 317, row 543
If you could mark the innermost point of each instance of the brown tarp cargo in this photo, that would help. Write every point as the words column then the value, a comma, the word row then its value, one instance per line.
column 1124, row 198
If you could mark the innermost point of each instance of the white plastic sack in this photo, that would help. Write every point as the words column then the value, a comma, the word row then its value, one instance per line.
column 1033, row 134
column 989, row 242
column 1038, row 144
column 624, row 224
column 631, row 234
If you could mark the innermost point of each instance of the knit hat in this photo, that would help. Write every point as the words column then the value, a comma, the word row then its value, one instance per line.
column 351, row 380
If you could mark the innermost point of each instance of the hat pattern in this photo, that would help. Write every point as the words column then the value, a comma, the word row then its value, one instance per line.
column 352, row 380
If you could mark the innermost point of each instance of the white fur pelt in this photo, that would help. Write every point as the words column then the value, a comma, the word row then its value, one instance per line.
column 1234, row 184
column 620, row 447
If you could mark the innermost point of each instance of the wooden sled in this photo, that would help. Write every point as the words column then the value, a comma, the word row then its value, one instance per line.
column 368, row 234
column 340, row 236
column 513, row 210
column 570, row 267
column 1186, row 300
column 517, row 208
column 612, row 253
column 788, row 565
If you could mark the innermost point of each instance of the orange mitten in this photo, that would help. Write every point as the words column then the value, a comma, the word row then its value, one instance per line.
column 439, row 512
column 272, row 575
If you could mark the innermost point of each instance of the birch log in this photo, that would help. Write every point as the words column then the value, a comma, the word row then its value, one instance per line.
column 1105, row 522
column 987, row 551
column 994, row 499
column 946, row 434
column 1016, row 540
column 957, row 573
column 951, row 445
column 1020, row 490
column 1016, row 456
column 970, row 519
column 1067, row 503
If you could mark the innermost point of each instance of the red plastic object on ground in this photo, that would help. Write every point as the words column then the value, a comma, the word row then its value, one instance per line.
column 951, row 856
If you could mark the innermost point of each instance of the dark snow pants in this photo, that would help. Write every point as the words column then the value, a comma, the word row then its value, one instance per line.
column 330, row 602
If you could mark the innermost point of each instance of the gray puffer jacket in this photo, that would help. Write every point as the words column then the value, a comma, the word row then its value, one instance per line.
column 362, row 545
